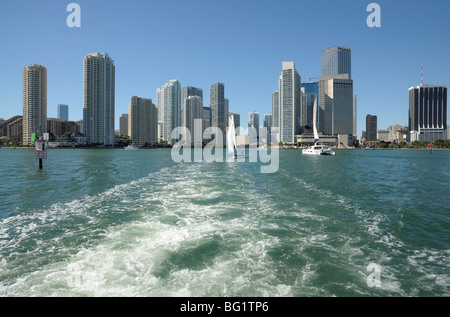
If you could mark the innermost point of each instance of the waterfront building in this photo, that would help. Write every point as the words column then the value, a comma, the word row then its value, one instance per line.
column 311, row 90
column 99, row 99
column 219, row 107
column 168, row 101
column 142, row 121
column 427, row 113
column 63, row 112
column 192, row 110
column 371, row 128
column 383, row 135
column 237, row 122
column 34, row 101
column 355, row 116
column 276, row 109
column 268, row 125
column 123, row 124
column 336, row 104
column 253, row 122
column 206, row 123
column 289, row 103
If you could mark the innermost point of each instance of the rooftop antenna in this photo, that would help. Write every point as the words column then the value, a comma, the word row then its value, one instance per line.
column 421, row 77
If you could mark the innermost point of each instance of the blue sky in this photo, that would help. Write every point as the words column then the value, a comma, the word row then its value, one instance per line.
column 240, row 43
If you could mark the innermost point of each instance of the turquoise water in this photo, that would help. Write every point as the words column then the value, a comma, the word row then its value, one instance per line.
column 134, row 223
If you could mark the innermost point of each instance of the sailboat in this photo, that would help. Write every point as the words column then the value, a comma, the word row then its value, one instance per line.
column 318, row 148
column 234, row 150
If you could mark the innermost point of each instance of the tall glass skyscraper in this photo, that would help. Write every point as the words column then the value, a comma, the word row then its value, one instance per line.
column 337, row 61
column 219, row 107
column 289, row 103
column 63, row 112
column 312, row 94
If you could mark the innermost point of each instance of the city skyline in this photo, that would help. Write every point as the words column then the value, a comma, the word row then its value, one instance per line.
column 378, row 57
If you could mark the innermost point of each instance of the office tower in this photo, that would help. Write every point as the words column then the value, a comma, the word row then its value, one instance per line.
column 192, row 110
column 336, row 92
column 192, row 91
column 289, row 103
column 237, row 122
column 312, row 94
column 34, row 101
column 276, row 109
column 219, row 107
column 336, row 104
column 142, row 121
column 337, row 61
column 192, row 100
column 427, row 113
column 206, row 122
column 371, row 128
column 268, row 125
column 168, row 100
column 123, row 122
column 253, row 122
column 355, row 116
column 99, row 99
column 303, row 108
column 63, row 112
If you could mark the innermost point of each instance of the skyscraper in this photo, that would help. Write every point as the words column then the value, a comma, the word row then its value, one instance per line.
column 237, row 121
column 289, row 103
column 253, row 122
column 268, row 125
column 371, row 128
column 337, row 61
column 336, row 92
column 168, row 100
column 142, row 121
column 312, row 94
column 355, row 116
column 34, row 101
column 427, row 113
column 99, row 99
column 123, row 122
column 276, row 109
column 63, row 112
column 219, row 107
column 192, row 110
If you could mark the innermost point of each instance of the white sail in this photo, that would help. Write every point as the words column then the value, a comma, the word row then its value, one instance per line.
column 316, row 134
column 231, row 137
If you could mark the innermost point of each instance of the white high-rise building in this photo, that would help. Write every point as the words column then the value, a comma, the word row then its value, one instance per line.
column 99, row 99
column 168, row 101
column 34, row 101
column 142, row 121
column 192, row 110
column 289, row 103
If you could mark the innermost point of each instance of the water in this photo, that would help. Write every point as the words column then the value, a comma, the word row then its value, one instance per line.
column 134, row 223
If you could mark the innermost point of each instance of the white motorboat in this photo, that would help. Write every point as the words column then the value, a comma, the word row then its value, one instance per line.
column 317, row 148
column 132, row 147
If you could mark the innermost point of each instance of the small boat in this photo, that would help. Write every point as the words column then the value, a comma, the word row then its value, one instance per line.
column 317, row 148
column 132, row 147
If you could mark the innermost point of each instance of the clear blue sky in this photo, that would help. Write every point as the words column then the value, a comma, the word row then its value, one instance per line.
column 240, row 43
